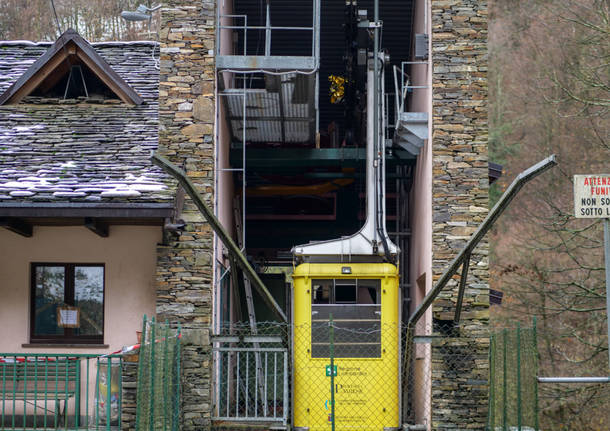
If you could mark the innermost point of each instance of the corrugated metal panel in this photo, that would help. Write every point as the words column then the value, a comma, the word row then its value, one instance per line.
column 296, row 110
column 395, row 14
column 298, row 131
column 265, row 114
column 397, row 23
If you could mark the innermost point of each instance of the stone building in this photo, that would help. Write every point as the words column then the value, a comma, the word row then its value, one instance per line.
column 250, row 121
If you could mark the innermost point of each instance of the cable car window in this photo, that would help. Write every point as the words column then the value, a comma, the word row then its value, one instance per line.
column 321, row 291
column 368, row 292
column 356, row 309
column 346, row 293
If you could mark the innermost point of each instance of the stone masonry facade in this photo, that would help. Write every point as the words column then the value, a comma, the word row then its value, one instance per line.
column 460, row 197
column 460, row 203
column 186, row 131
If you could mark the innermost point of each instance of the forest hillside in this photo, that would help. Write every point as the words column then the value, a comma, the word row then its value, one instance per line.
column 95, row 20
column 550, row 94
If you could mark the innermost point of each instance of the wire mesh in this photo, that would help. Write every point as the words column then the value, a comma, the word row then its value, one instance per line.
column 445, row 377
column 513, row 400
column 351, row 374
column 346, row 374
column 158, row 397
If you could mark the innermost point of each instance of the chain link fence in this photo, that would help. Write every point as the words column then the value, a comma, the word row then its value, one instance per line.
column 344, row 374
column 445, row 376
column 513, row 392
column 158, row 395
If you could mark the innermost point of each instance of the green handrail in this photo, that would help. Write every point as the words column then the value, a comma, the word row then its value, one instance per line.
column 41, row 379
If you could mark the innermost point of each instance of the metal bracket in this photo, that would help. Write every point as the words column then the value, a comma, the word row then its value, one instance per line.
column 523, row 178
column 463, row 278
column 370, row 24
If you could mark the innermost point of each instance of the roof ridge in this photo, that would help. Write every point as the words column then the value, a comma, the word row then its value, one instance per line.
column 100, row 44
column 70, row 40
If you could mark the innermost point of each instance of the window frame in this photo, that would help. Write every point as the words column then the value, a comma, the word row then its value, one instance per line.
column 320, row 348
column 69, row 298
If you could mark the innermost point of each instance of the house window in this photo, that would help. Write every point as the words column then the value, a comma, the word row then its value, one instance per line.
column 67, row 303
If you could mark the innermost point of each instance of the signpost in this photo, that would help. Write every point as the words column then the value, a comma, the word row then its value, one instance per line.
column 592, row 200
column 592, row 196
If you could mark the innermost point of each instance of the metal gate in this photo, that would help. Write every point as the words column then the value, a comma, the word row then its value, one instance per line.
column 251, row 378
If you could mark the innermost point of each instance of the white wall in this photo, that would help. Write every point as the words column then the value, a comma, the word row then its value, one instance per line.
column 129, row 254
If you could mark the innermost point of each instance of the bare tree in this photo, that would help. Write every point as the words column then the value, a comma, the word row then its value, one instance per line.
column 551, row 86
column 95, row 20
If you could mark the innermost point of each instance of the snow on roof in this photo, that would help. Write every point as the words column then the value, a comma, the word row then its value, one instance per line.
column 78, row 151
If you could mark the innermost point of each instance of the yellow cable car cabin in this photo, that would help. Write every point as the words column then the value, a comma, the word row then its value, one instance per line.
column 337, row 296
column 363, row 300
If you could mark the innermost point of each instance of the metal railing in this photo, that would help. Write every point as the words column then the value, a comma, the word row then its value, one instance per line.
column 60, row 391
column 403, row 86
column 239, row 24
column 251, row 378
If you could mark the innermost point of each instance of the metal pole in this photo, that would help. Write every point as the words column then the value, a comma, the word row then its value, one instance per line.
column 535, row 346
column 607, row 259
column 226, row 239
column 243, row 165
column 376, row 197
column 331, row 333
column 504, row 387
column 492, row 382
column 176, row 424
column 267, row 38
column 491, row 218
column 573, row 379
column 519, row 376
column 151, row 413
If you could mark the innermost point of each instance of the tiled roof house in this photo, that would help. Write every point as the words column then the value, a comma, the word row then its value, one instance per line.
column 82, row 151
column 78, row 189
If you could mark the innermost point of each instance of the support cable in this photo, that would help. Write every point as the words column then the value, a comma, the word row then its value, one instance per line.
column 234, row 250
column 522, row 179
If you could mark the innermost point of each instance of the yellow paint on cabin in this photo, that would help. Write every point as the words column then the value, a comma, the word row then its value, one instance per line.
column 367, row 389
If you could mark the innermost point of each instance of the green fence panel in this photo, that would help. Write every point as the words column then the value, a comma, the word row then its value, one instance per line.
column 513, row 388
column 51, row 391
column 158, row 394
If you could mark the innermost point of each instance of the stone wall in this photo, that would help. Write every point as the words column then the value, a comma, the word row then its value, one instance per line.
column 129, row 387
column 186, row 129
column 460, row 198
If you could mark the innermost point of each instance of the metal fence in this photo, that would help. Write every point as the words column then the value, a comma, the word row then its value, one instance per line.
column 445, row 376
column 350, row 374
column 346, row 372
column 260, row 32
column 252, row 373
column 60, row 391
column 513, row 394
column 158, row 396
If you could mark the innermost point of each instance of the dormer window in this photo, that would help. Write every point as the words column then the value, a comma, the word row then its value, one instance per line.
column 72, row 80
column 70, row 69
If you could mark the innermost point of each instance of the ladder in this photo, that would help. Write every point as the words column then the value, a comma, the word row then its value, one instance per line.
column 250, row 305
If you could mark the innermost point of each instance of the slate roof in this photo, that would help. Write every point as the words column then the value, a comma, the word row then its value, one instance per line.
column 74, row 151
